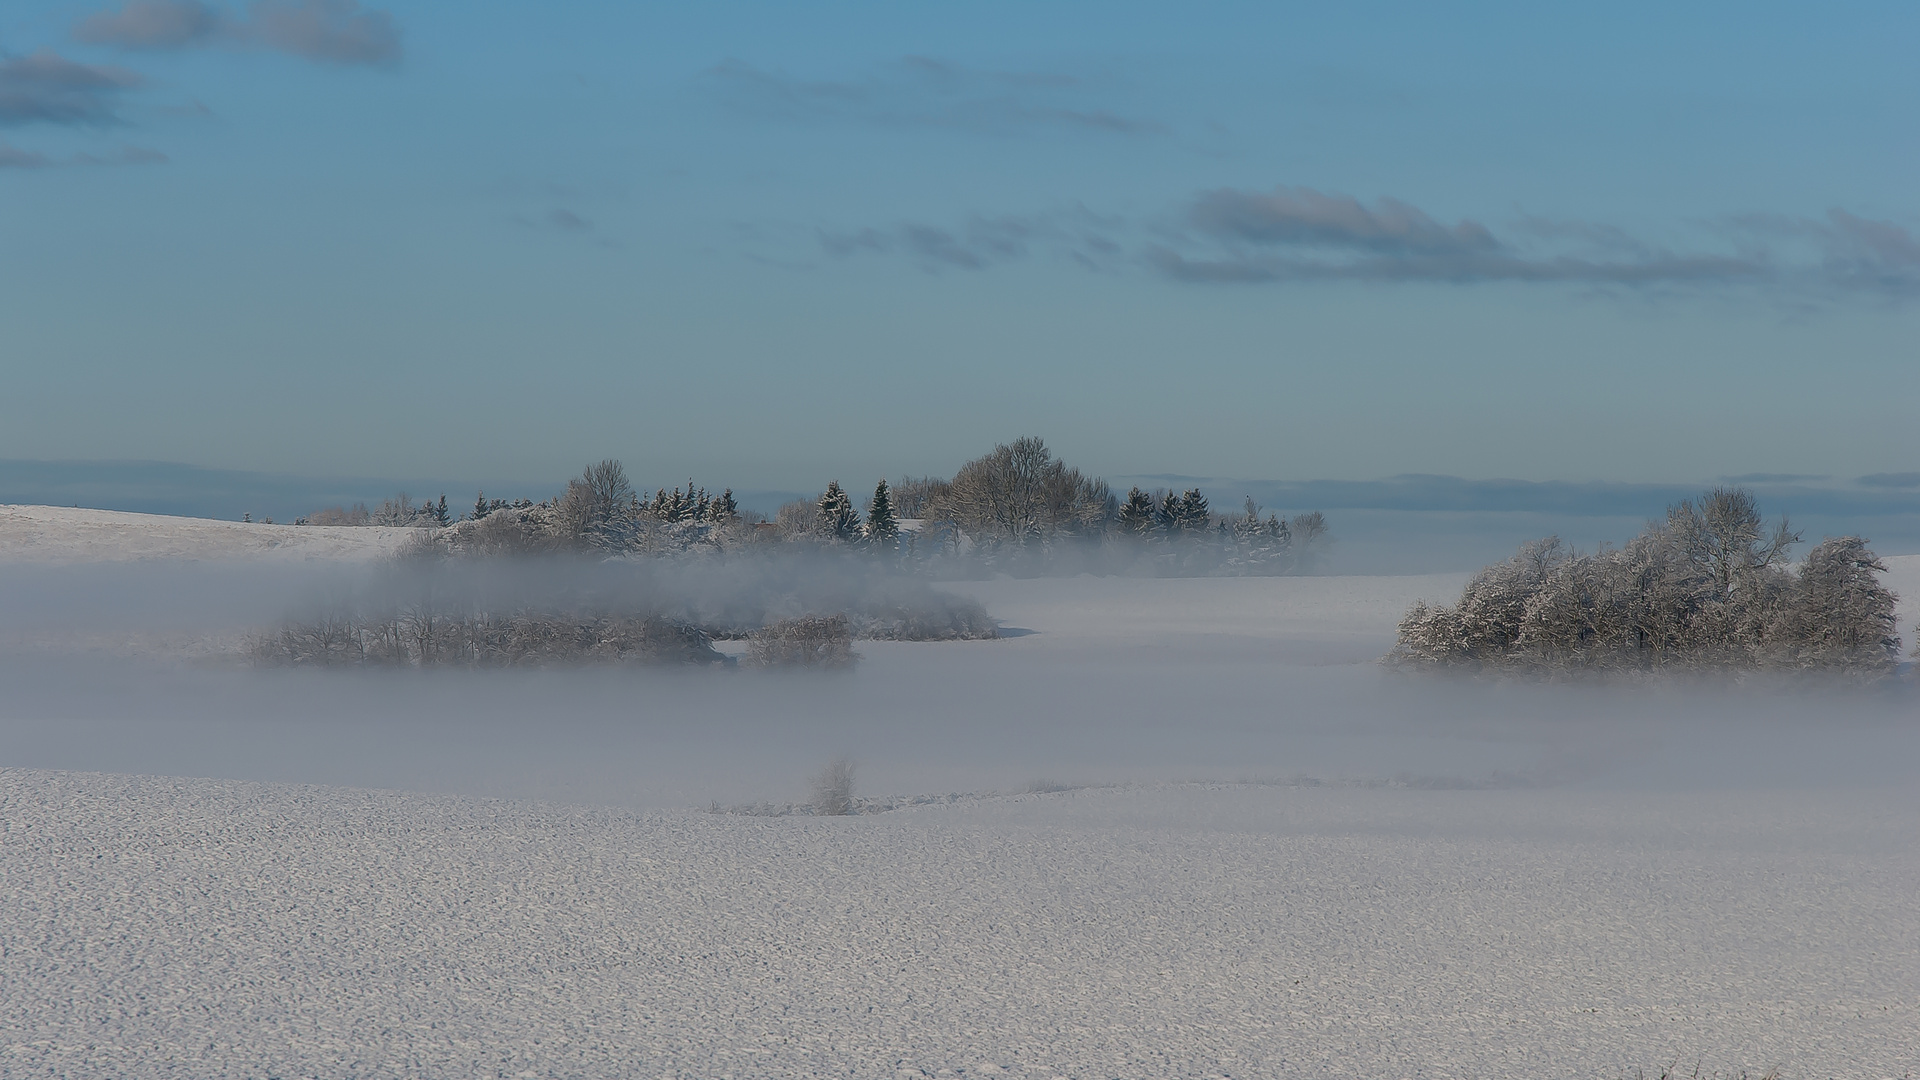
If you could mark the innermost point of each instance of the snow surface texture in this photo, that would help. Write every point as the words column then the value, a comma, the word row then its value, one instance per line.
column 213, row 929
column 57, row 534
column 1488, row 880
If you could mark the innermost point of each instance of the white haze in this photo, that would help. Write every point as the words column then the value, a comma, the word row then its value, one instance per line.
column 135, row 667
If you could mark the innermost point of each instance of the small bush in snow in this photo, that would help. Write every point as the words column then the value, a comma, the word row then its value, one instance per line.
column 833, row 789
column 809, row 641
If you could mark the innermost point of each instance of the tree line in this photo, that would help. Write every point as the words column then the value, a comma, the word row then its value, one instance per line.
column 1017, row 508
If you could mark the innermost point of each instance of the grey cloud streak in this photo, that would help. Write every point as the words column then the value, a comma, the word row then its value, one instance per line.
column 45, row 87
column 921, row 92
column 1296, row 234
column 339, row 32
column 1305, row 217
column 982, row 242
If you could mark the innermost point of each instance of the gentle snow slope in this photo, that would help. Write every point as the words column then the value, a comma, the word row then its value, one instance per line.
column 222, row 929
column 56, row 534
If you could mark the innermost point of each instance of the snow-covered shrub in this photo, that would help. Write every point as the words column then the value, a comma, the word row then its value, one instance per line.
column 1706, row 588
column 1837, row 615
column 809, row 641
column 423, row 637
column 833, row 789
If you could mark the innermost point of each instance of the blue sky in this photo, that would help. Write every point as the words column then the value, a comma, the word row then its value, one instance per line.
column 770, row 244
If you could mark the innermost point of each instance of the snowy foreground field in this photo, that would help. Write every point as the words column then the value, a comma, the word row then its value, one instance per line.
column 1167, row 829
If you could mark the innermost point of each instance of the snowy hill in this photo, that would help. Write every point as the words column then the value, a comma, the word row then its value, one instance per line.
column 58, row 534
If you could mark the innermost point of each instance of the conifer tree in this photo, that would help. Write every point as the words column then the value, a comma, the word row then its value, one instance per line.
column 883, row 529
column 1167, row 515
column 480, row 507
column 1136, row 514
column 838, row 519
column 1194, row 516
column 440, row 515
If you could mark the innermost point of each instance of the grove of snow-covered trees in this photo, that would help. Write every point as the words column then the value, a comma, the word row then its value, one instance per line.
column 1707, row 588
column 634, row 579
column 1017, row 509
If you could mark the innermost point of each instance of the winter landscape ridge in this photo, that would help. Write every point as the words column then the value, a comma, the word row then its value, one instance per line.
column 1173, row 827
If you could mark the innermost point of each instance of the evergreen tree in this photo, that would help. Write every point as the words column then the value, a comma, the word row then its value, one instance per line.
column 1194, row 516
column 838, row 519
column 883, row 529
column 1167, row 515
column 440, row 515
column 1136, row 514
column 480, row 507
column 723, row 508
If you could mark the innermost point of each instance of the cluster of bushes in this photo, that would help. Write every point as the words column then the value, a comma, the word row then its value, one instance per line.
column 789, row 606
column 1016, row 509
column 1709, row 587
column 811, row 641
column 424, row 637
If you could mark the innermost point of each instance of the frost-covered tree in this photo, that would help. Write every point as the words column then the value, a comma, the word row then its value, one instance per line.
column 1704, row 588
column 480, row 507
column 1137, row 512
column 883, row 529
column 597, row 508
column 1259, row 546
column 1194, row 515
column 1166, row 514
column 1837, row 615
column 838, row 520
column 1185, row 514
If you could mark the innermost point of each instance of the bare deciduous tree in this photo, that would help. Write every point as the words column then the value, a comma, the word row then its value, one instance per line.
column 1020, row 493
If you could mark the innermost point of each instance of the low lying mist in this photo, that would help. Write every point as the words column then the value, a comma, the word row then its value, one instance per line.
column 1095, row 681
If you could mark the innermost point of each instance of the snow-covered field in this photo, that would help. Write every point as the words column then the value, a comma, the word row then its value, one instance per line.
column 62, row 535
column 1197, row 832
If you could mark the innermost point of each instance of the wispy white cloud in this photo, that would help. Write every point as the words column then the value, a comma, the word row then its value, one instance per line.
column 1294, row 234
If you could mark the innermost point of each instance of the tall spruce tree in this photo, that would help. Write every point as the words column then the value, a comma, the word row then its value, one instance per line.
column 1167, row 514
column 839, row 521
column 480, row 507
column 1194, row 516
column 883, row 528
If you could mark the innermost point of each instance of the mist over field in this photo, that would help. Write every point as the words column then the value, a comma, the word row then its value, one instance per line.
column 144, row 667
column 910, row 542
